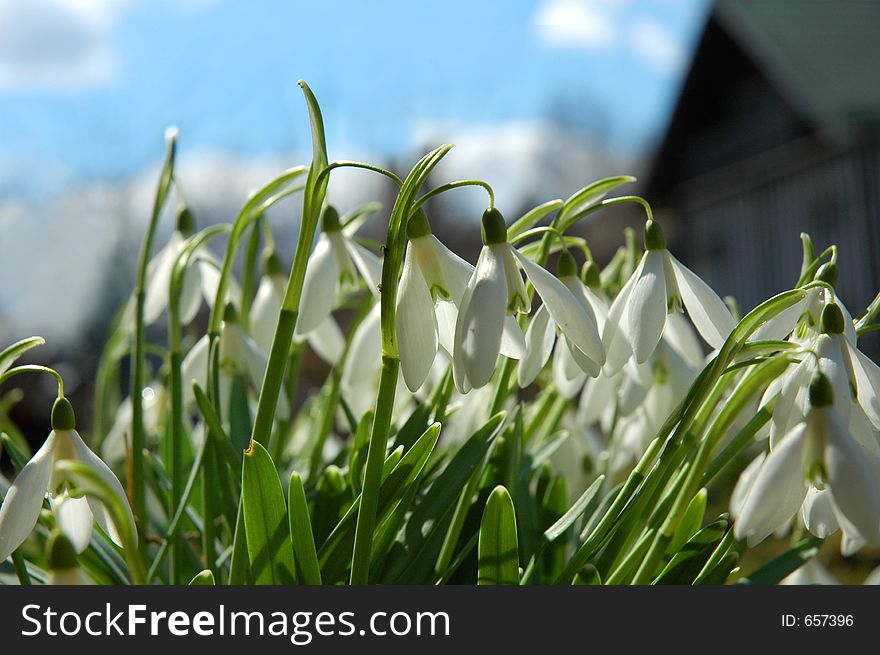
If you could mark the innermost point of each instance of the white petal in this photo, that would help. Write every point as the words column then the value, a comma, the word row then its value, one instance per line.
column 567, row 375
column 855, row 488
column 319, row 287
column 575, row 320
column 195, row 369
column 818, row 514
column 789, row 408
column 586, row 364
column 85, row 455
column 416, row 325
column 867, row 378
column 707, row 311
column 481, row 322
column 517, row 298
column 679, row 335
column 159, row 278
column 540, row 336
column 777, row 492
column 456, row 271
column 327, row 341
column 21, row 506
column 781, row 325
column 368, row 265
column 617, row 348
column 744, row 484
column 365, row 353
column 190, row 294
column 513, row 342
column 265, row 311
column 209, row 273
column 74, row 518
column 833, row 362
column 597, row 396
column 645, row 313
column 447, row 315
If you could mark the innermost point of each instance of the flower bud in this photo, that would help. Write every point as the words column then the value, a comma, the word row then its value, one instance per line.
column 655, row 238
column 186, row 222
column 566, row 266
column 272, row 264
column 493, row 229
column 828, row 273
column 590, row 275
column 63, row 417
column 821, row 393
column 832, row 319
column 418, row 225
column 230, row 313
column 330, row 220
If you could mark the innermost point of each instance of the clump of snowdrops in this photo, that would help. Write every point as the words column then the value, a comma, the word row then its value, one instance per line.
column 534, row 418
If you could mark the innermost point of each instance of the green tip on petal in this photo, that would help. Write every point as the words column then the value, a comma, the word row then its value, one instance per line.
column 655, row 238
column 418, row 225
column 566, row 266
column 590, row 275
column 493, row 229
column 63, row 417
column 230, row 313
column 186, row 222
column 828, row 273
column 330, row 220
column 272, row 264
column 60, row 553
column 821, row 393
column 832, row 319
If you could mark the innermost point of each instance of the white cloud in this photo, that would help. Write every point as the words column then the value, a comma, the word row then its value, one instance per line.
column 657, row 46
column 576, row 23
column 57, row 44
column 526, row 162
column 70, row 257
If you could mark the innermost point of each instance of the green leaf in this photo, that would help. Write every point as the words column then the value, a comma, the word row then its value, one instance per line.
column 203, row 579
column 687, row 563
column 239, row 567
column 785, row 564
column 498, row 549
column 590, row 195
column 553, row 507
column 265, row 519
column 358, row 452
column 575, row 511
column 335, row 552
column 690, row 522
column 531, row 218
column 16, row 350
column 435, row 507
column 305, row 555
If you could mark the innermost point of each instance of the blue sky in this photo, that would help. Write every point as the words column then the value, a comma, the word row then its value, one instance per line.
column 88, row 86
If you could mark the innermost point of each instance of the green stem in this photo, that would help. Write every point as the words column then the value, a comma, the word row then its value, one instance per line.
column 137, row 487
column 363, row 536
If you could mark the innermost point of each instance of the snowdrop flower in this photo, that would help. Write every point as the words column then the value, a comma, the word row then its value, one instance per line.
column 821, row 452
column 331, row 268
column 115, row 443
column 200, row 279
column 432, row 285
column 239, row 356
column 326, row 339
column 659, row 285
column 75, row 515
column 571, row 365
column 496, row 290
column 811, row 573
column 849, row 370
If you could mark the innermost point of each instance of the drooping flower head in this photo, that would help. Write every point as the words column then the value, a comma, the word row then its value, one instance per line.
column 39, row 478
column 495, row 294
column 659, row 285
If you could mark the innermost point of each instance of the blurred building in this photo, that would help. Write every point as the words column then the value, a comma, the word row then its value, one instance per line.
column 777, row 131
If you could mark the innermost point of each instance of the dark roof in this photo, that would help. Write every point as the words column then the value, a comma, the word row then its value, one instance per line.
column 768, row 73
